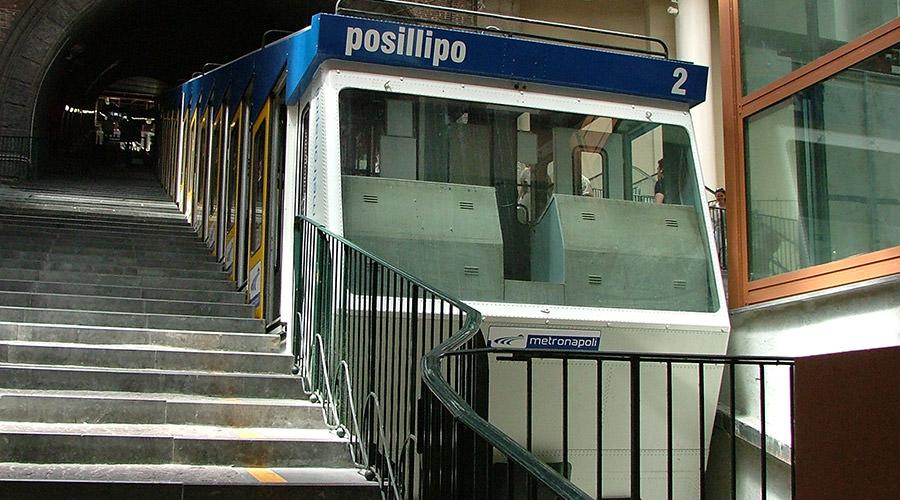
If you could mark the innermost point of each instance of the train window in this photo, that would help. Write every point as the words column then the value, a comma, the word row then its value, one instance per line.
column 257, row 179
column 234, row 161
column 528, row 155
column 214, row 173
column 623, row 191
column 200, row 181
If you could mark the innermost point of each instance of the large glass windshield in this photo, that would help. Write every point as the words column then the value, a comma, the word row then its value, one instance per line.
column 592, row 210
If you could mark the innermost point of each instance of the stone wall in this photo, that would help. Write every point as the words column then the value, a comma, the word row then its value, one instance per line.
column 9, row 11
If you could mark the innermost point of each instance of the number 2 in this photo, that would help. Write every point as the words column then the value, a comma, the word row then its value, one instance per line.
column 682, row 75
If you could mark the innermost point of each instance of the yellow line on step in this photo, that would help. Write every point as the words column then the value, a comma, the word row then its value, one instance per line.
column 266, row 475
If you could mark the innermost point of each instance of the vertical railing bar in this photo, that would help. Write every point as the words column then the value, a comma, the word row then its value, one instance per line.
column 359, row 293
column 510, row 480
column 371, row 371
column 565, row 415
column 454, row 458
column 394, row 379
column 669, row 444
column 702, row 410
column 334, row 313
column 411, row 388
column 731, row 369
column 599, row 428
column 529, row 395
column 635, row 428
column 762, row 431
column 425, row 482
column 345, row 312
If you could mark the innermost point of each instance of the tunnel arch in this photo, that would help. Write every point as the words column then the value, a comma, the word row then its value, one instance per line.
column 56, row 48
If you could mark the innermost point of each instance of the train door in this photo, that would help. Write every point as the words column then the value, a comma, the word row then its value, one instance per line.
column 189, row 164
column 233, row 190
column 180, row 165
column 201, row 179
column 216, row 155
column 256, row 209
column 274, row 208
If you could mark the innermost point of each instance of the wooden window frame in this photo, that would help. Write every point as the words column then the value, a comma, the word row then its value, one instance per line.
column 736, row 108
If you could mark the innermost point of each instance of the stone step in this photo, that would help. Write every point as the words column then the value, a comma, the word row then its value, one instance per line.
column 170, row 444
column 87, row 249
column 131, row 320
column 93, row 407
column 199, row 262
column 118, row 304
column 143, row 357
column 162, row 221
column 182, row 482
column 93, row 211
column 63, row 237
column 44, row 287
column 100, row 266
column 183, row 339
column 71, row 223
column 152, row 203
column 77, row 378
column 177, row 283
column 34, row 243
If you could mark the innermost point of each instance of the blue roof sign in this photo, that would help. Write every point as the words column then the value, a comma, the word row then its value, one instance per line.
column 446, row 50
column 500, row 56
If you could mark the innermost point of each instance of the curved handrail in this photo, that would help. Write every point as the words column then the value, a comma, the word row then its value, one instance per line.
column 433, row 378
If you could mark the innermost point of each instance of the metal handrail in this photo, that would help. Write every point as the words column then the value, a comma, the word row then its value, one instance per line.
column 434, row 381
column 664, row 52
column 431, row 375
column 332, row 420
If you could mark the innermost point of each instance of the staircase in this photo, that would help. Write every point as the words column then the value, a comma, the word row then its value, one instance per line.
column 129, row 366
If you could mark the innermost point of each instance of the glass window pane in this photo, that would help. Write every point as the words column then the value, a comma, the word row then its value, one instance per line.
column 823, row 170
column 214, row 176
column 234, row 159
column 200, row 182
column 257, row 179
column 779, row 36
column 585, row 210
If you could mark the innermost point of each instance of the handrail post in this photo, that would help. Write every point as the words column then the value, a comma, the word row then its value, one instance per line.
column 635, row 427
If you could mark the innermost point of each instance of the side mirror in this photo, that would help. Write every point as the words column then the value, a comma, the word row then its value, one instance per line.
column 522, row 214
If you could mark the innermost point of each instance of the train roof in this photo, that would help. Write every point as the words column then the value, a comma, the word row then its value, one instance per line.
column 450, row 50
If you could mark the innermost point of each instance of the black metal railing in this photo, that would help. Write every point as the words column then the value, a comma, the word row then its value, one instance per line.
column 373, row 345
column 717, row 214
column 16, row 154
column 404, row 371
column 644, row 406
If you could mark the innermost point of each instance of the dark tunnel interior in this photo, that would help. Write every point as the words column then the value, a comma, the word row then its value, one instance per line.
column 122, row 55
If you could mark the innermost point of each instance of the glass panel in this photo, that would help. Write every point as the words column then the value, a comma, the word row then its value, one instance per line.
column 234, row 161
column 257, row 179
column 202, row 163
column 535, row 160
column 823, row 170
column 214, row 175
column 779, row 36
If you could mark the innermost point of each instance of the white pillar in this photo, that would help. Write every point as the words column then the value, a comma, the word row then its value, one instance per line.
column 693, row 42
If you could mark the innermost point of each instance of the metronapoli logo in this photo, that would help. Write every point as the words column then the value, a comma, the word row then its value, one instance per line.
column 410, row 42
